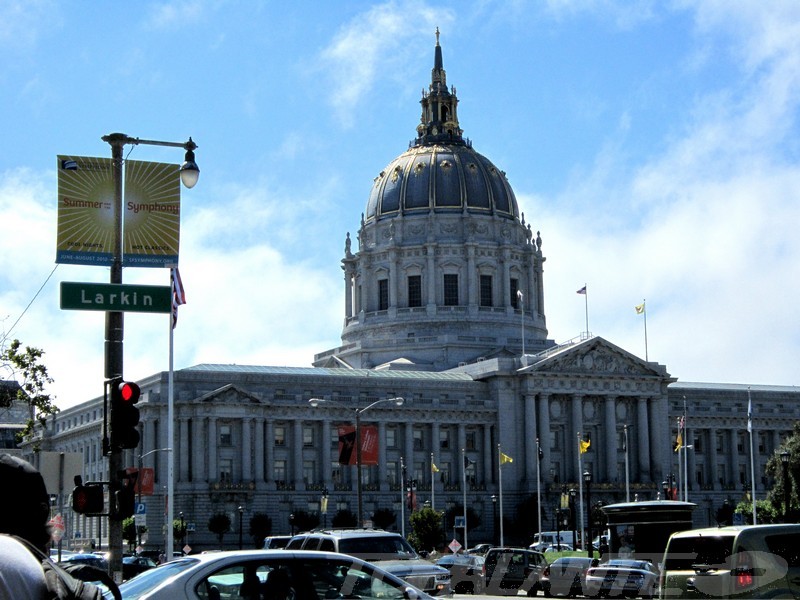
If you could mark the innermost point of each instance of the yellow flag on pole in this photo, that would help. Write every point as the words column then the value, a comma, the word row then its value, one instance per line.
column 434, row 468
column 505, row 458
column 584, row 445
column 639, row 308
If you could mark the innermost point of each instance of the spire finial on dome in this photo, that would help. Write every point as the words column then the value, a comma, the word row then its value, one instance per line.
column 437, row 36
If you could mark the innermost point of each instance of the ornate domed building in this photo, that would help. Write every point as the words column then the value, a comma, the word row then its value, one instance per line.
column 447, row 271
column 444, row 307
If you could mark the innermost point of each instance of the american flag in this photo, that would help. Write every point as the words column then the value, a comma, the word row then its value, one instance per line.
column 178, row 294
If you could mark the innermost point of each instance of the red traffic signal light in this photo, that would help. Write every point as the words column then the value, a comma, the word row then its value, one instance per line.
column 88, row 499
column 124, row 414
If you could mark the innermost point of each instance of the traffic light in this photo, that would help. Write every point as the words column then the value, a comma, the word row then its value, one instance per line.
column 88, row 499
column 124, row 414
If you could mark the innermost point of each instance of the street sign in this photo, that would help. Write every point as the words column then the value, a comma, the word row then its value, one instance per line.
column 116, row 297
column 454, row 546
column 141, row 508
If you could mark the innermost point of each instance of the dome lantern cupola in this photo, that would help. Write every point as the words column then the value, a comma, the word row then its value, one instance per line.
column 439, row 121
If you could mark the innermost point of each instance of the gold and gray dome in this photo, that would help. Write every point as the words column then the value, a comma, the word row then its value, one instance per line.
column 440, row 171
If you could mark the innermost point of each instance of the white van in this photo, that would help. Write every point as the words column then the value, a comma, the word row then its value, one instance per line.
column 545, row 539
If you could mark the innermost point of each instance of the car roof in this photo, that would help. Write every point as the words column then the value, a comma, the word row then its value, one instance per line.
column 350, row 532
column 732, row 530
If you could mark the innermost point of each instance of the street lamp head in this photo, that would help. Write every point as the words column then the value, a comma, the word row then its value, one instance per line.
column 785, row 457
column 587, row 476
column 241, row 509
column 189, row 170
column 315, row 402
column 399, row 400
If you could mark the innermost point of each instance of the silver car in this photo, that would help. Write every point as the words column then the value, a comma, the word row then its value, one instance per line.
column 270, row 574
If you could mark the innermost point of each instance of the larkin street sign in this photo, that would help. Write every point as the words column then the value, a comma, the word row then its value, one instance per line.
column 115, row 297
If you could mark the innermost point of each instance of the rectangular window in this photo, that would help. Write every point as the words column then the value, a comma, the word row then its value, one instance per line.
column 308, row 436
column 471, row 441
column 720, row 443
column 225, row 438
column 514, row 288
column 226, row 470
column 418, row 441
column 415, row 290
column 450, row 289
column 444, row 439
column 720, row 474
column 280, row 435
column 486, row 290
column 444, row 473
column 279, row 471
column 391, row 437
column 336, row 472
column 383, row 294
column 391, row 472
column 309, row 468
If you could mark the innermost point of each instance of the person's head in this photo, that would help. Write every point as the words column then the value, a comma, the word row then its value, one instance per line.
column 24, row 503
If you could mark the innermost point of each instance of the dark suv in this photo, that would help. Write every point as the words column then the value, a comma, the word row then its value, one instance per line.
column 510, row 569
column 390, row 551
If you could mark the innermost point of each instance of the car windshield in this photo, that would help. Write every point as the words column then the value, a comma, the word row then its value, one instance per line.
column 377, row 547
column 149, row 580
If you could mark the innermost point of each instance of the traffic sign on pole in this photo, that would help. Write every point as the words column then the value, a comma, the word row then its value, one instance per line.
column 116, row 297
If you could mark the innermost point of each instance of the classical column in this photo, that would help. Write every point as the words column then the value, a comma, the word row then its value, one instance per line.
column 269, row 453
column 572, row 440
column 472, row 276
column 297, row 455
column 348, row 290
column 393, row 278
column 198, row 457
column 506, row 283
column 213, row 471
column 185, row 448
column 544, row 427
column 430, row 251
column 489, row 457
column 382, row 455
column 326, row 454
column 643, row 437
column 531, row 433
column 610, row 426
column 247, row 450
column 259, row 450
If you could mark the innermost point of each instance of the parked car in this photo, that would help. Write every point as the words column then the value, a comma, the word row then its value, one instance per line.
column 566, row 575
column 622, row 577
column 480, row 549
column 94, row 560
column 133, row 565
column 507, row 570
column 466, row 572
column 386, row 549
column 250, row 574
column 747, row 561
column 557, row 548
column 276, row 541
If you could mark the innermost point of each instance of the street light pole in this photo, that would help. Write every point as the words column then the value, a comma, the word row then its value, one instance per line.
column 114, row 331
column 241, row 513
column 359, row 411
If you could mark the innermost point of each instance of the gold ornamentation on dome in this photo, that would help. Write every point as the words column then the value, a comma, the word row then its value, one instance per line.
column 472, row 166
column 446, row 165
column 419, row 168
column 396, row 174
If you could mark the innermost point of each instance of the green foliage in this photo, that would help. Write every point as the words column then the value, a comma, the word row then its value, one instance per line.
column 774, row 469
column 765, row 512
column 383, row 518
column 305, row 521
column 219, row 524
column 426, row 529
column 131, row 533
column 25, row 367
column 260, row 527
column 344, row 518
column 178, row 530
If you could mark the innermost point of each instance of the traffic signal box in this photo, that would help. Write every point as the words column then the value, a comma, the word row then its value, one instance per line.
column 88, row 499
column 124, row 414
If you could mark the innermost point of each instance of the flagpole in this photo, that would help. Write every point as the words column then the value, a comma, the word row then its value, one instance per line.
column 644, row 313
column 500, row 485
column 586, row 304
column 580, row 490
column 171, row 431
column 522, row 318
column 464, row 489
column 752, row 459
column 685, row 456
column 538, row 486
column 433, row 486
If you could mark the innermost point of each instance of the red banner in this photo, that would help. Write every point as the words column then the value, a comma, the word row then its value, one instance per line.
column 347, row 445
column 145, row 481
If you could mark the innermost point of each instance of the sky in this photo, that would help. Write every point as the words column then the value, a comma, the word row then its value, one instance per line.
column 653, row 144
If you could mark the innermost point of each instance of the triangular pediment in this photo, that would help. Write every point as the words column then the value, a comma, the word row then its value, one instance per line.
column 594, row 356
column 231, row 394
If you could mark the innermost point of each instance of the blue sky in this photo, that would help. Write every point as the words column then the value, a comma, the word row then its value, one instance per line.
column 654, row 144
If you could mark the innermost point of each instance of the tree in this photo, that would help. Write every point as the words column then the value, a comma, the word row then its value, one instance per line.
column 132, row 533
column 178, row 531
column 25, row 367
column 774, row 469
column 219, row 524
column 305, row 521
column 383, row 518
column 260, row 527
column 344, row 518
column 427, row 533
